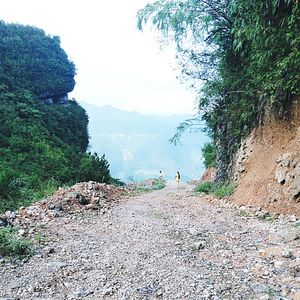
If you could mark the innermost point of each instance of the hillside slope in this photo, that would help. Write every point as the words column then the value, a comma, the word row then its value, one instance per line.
column 43, row 135
column 267, row 166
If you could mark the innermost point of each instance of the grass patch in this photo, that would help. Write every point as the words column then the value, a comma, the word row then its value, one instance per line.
column 205, row 187
column 271, row 292
column 13, row 246
column 142, row 189
column 151, row 185
column 158, row 215
column 216, row 189
column 27, row 196
column 270, row 218
column 243, row 213
column 158, row 184
column 223, row 190
column 39, row 238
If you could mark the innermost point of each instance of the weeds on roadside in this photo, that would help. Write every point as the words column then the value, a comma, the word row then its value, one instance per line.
column 216, row 189
column 158, row 184
column 271, row 292
column 270, row 218
column 158, row 215
column 243, row 213
column 154, row 186
column 12, row 245
column 39, row 238
column 28, row 196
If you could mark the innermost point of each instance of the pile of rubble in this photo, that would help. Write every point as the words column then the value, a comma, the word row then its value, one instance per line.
column 80, row 197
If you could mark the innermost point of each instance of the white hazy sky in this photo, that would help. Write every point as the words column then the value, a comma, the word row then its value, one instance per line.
column 116, row 64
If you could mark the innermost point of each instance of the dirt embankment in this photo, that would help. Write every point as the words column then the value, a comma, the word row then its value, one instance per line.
column 267, row 166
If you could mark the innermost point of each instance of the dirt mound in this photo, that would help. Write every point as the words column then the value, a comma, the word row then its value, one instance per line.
column 267, row 166
column 79, row 197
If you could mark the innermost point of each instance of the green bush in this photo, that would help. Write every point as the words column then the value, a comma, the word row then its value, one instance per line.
column 11, row 245
column 209, row 155
column 223, row 190
column 216, row 189
column 155, row 185
column 158, row 184
column 205, row 187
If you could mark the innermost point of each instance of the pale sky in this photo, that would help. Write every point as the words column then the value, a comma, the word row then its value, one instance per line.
column 116, row 64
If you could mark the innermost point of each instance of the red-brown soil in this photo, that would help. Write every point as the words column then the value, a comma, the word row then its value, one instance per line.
column 257, row 183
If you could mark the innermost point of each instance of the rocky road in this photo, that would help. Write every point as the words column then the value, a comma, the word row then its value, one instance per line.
column 167, row 244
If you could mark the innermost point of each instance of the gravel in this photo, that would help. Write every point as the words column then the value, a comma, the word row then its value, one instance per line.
column 167, row 244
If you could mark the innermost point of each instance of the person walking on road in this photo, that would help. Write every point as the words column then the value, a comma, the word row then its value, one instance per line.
column 177, row 177
column 160, row 177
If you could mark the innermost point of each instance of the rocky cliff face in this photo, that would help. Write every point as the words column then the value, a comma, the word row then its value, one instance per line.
column 267, row 166
column 48, row 98
column 287, row 174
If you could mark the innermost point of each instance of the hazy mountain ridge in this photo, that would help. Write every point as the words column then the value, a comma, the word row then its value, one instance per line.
column 137, row 146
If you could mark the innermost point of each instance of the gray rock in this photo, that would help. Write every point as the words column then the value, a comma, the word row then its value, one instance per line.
column 58, row 264
column 278, row 263
column 281, row 175
column 194, row 231
column 57, row 207
column 198, row 245
column 262, row 214
column 287, row 254
column 48, row 250
column 108, row 292
column 260, row 288
column 81, row 199
column 3, row 222
column 83, row 292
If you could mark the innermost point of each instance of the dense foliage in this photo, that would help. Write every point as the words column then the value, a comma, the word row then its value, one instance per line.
column 209, row 155
column 241, row 56
column 42, row 146
column 33, row 61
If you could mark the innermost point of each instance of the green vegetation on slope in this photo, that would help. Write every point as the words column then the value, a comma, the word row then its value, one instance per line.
column 11, row 245
column 209, row 155
column 242, row 57
column 33, row 61
column 216, row 189
column 42, row 146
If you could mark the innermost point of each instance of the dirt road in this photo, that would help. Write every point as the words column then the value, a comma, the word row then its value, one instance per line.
column 168, row 244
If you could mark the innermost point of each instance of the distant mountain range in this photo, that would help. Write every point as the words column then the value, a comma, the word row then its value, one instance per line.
column 137, row 146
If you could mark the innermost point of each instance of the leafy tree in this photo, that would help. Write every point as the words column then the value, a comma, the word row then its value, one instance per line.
column 94, row 168
column 209, row 155
column 241, row 57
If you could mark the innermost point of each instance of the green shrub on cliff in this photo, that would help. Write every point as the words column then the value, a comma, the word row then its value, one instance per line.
column 209, row 155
